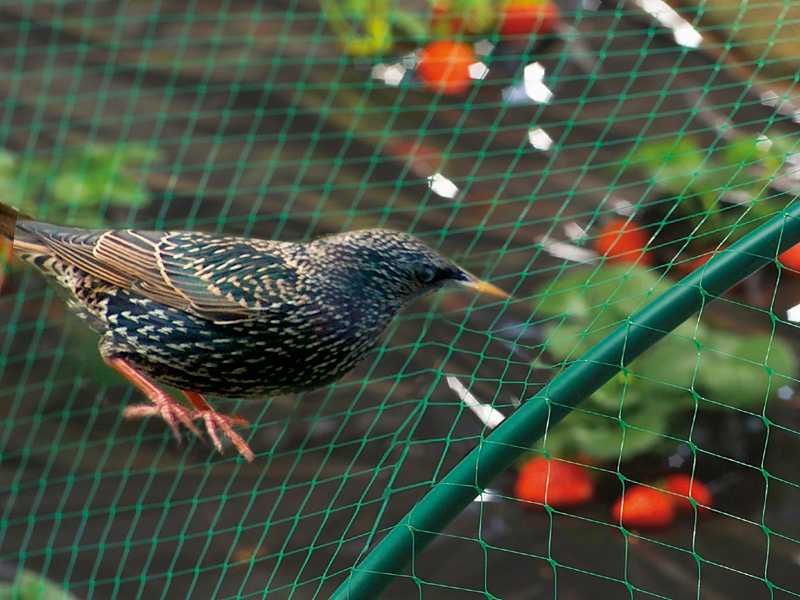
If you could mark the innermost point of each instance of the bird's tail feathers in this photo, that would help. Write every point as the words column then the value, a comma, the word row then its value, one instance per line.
column 9, row 218
column 13, row 229
column 8, row 221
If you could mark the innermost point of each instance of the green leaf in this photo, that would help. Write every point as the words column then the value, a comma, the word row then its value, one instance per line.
column 647, row 425
column 410, row 23
column 479, row 16
column 602, row 437
column 8, row 163
column 119, row 189
column 128, row 193
column 31, row 586
column 624, row 288
column 743, row 150
column 671, row 362
column 779, row 149
column 139, row 155
column 94, row 152
column 673, row 164
column 565, row 340
column 609, row 398
column 741, row 370
column 595, row 301
column 12, row 191
column 757, row 155
column 357, row 8
column 72, row 189
column 582, row 293
column 735, row 370
column 565, row 297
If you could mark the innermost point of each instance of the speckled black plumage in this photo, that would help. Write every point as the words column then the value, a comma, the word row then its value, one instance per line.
column 235, row 316
column 231, row 316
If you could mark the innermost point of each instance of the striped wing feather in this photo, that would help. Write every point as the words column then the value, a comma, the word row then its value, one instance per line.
column 147, row 263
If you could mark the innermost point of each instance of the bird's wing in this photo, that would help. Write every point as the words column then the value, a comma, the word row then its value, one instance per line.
column 218, row 278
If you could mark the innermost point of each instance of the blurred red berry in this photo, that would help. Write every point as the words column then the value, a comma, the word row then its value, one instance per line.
column 553, row 482
column 644, row 508
column 700, row 261
column 791, row 258
column 680, row 484
column 623, row 241
column 523, row 17
column 444, row 66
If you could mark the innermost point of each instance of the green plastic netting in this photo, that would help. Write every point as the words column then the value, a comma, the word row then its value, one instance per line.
column 295, row 119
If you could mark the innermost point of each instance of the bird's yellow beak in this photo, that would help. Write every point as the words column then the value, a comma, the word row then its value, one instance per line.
column 484, row 287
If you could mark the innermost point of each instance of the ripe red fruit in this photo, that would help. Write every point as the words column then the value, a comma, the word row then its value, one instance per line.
column 623, row 241
column 791, row 258
column 680, row 484
column 444, row 66
column 644, row 508
column 700, row 261
column 523, row 17
column 553, row 482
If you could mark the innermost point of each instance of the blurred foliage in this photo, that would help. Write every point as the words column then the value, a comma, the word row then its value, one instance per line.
column 373, row 27
column 362, row 26
column 713, row 188
column 76, row 188
column 695, row 366
column 28, row 585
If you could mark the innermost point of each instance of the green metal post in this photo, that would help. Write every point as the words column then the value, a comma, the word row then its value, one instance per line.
column 499, row 450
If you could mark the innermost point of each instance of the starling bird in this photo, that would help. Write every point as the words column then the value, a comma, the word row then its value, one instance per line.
column 231, row 316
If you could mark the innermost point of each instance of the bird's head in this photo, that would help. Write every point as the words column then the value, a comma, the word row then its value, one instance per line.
column 395, row 264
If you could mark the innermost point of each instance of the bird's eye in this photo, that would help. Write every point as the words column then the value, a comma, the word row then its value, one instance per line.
column 426, row 274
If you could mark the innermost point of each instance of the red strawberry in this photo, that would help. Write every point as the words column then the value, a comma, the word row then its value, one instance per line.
column 444, row 66
column 680, row 484
column 791, row 259
column 523, row 17
column 623, row 241
column 644, row 508
column 553, row 482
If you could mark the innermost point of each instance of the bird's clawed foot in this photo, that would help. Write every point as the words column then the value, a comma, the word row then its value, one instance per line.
column 168, row 409
column 225, row 423
column 174, row 413
column 161, row 404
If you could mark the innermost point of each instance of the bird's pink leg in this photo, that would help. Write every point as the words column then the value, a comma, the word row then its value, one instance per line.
column 225, row 423
column 162, row 404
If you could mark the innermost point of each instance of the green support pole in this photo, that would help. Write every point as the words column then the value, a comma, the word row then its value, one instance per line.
column 516, row 434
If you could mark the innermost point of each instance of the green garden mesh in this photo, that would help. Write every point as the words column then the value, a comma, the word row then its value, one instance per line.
column 589, row 170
